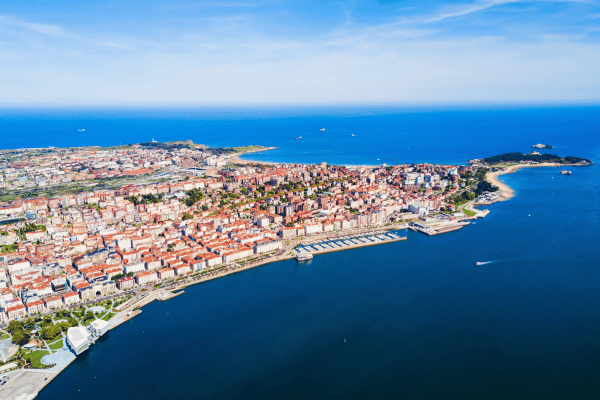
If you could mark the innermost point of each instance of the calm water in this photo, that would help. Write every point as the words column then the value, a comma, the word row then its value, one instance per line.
column 380, row 135
column 420, row 319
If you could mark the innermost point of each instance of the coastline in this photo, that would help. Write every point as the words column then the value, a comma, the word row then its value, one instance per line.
column 506, row 191
column 238, row 160
column 34, row 377
column 235, row 158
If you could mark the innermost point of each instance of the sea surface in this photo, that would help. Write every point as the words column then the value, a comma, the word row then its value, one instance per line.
column 357, row 135
column 415, row 319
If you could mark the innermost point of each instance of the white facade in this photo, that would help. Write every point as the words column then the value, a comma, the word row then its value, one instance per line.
column 99, row 327
column 78, row 339
column 418, row 209
column 139, row 267
column 266, row 246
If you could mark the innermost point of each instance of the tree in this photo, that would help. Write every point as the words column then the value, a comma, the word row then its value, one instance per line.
column 194, row 196
column 21, row 338
column 14, row 326
column 186, row 216
column 51, row 332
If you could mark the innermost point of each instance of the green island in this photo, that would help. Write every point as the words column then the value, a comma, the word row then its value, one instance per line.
column 519, row 157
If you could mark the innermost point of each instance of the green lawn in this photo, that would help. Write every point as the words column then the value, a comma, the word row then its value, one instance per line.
column 108, row 316
column 461, row 202
column 468, row 213
column 35, row 358
column 4, row 336
column 56, row 345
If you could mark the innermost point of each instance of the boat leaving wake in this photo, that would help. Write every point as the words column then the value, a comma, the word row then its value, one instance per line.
column 483, row 262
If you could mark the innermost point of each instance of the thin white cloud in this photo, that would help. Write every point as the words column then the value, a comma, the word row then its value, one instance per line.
column 44, row 29
column 469, row 9
column 53, row 30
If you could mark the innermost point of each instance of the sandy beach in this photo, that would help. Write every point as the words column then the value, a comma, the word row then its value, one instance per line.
column 507, row 192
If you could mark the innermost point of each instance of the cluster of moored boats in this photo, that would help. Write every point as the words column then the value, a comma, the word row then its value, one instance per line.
column 341, row 242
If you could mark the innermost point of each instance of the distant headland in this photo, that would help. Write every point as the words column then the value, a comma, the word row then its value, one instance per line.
column 533, row 157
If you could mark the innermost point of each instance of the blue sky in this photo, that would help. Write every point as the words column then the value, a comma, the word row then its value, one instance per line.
column 153, row 52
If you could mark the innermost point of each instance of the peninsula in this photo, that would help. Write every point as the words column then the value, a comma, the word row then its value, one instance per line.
column 89, row 235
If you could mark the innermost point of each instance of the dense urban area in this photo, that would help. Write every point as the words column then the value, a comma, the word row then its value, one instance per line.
column 89, row 235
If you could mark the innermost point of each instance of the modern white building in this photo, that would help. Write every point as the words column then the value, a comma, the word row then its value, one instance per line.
column 139, row 267
column 418, row 209
column 99, row 327
column 78, row 339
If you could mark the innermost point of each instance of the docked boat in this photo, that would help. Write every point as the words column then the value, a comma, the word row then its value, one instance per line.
column 304, row 257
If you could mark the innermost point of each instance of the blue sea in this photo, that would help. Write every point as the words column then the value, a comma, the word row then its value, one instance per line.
column 415, row 319
column 352, row 135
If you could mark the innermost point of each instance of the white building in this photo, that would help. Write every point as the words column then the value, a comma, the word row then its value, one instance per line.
column 312, row 229
column 78, row 339
column 237, row 254
column 99, row 327
column 418, row 209
column 139, row 267
column 266, row 245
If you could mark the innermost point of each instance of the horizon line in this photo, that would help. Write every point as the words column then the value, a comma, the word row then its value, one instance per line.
column 540, row 103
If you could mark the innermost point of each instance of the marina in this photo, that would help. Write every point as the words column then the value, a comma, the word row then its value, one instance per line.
column 306, row 251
